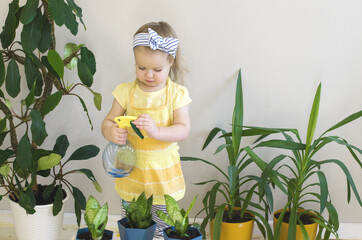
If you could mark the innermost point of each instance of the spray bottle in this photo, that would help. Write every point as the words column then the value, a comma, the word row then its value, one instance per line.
column 119, row 160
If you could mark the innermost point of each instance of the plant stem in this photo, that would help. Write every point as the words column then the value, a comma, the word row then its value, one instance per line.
column 13, row 137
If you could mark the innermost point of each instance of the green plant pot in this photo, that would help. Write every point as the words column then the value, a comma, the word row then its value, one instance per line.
column 135, row 234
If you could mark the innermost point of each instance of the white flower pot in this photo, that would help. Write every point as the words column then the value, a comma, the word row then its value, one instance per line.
column 40, row 225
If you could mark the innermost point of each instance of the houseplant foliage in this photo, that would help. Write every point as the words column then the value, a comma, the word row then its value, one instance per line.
column 306, row 174
column 177, row 218
column 138, row 212
column 235, row 188
column 96, row 218
column 138, row 223
column 44, row 85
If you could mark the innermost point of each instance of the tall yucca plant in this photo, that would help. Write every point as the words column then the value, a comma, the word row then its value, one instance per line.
column 235, row 187
column 306, row 173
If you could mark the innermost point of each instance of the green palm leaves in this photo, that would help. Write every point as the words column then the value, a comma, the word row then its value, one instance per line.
column 306, row 173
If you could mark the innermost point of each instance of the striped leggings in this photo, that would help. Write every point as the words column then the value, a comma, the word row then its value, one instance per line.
column 160, row 224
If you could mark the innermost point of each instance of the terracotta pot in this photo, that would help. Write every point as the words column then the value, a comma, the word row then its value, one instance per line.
column 311, row 229
column 234, row 231
column 40, row 225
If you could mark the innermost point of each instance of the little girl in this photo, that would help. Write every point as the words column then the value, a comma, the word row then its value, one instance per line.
column 162, row 108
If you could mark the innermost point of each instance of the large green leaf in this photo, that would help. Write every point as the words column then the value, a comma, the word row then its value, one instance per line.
column 88, row 58
column 3, row 124
column 79, row 197
column 27, row 201
column 56, row 11
column 7, row 36
column 5, row 169
column 2, row 69
column 97, row 99
column 69, row 49
column 173, row 209
column 345, row 121
column 205, row 161
column 38, row 127
column 89, row 174
column 52, row 101
column 12, row 81
column 282, row 144
column 85, row 152
column 56, row 62
column 23, row 156
column 48, row 162
column 31, row 34
column 347, row 174
column 70, row 20
column 333, row 215
column 217, row 222
column 46, row 37
column 323, row 189
column 233, row 177
column 58, row 201
column 79, row 201
column 30, row 72
column 313, row 117
column 29, row 11
column 86, row 111
column 92, row 207
column 76, row 9
column 44, row 60
column 84, row 74
column 61, row 145
column 238, row 116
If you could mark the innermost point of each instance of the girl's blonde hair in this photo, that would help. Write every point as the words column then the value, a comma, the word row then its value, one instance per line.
column 178, row 68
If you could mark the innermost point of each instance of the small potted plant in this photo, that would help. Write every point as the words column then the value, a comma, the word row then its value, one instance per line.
column 138, row 223
column 96, row 218
column 178, row 221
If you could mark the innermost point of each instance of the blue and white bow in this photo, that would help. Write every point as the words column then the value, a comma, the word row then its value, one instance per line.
column 155, row 41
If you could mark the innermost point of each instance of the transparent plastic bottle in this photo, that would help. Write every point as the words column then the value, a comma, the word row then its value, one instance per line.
column 119, row 160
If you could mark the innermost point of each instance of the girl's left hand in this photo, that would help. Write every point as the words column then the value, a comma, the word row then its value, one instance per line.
column 146, row 123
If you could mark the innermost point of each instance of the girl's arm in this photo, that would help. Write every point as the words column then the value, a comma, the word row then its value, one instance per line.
column 177, row 132
column 110, row 128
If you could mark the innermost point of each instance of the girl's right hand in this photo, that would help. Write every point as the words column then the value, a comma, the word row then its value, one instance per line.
column 117, row 135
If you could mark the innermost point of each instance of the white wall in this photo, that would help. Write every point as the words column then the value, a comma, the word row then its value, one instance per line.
column 284, row 48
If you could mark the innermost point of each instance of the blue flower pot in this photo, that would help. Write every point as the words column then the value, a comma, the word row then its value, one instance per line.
column 135, row 234
column 85, row 230
column 191, row 228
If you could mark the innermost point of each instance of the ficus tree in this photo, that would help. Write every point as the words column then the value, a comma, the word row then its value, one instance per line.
column 31, row 66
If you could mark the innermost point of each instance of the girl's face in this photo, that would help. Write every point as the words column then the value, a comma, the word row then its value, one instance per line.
column 152, row 68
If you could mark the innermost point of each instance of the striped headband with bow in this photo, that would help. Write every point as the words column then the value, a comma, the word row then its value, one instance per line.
column 155, row 41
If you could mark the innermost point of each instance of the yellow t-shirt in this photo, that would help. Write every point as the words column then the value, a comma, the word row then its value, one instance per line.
column 158, row 168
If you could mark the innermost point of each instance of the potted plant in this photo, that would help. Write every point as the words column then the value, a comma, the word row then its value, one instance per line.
column 22, row 160
column 306, row 173
column 138, row 223
column 96, row 218
column 238, row 205
column 178, row 221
